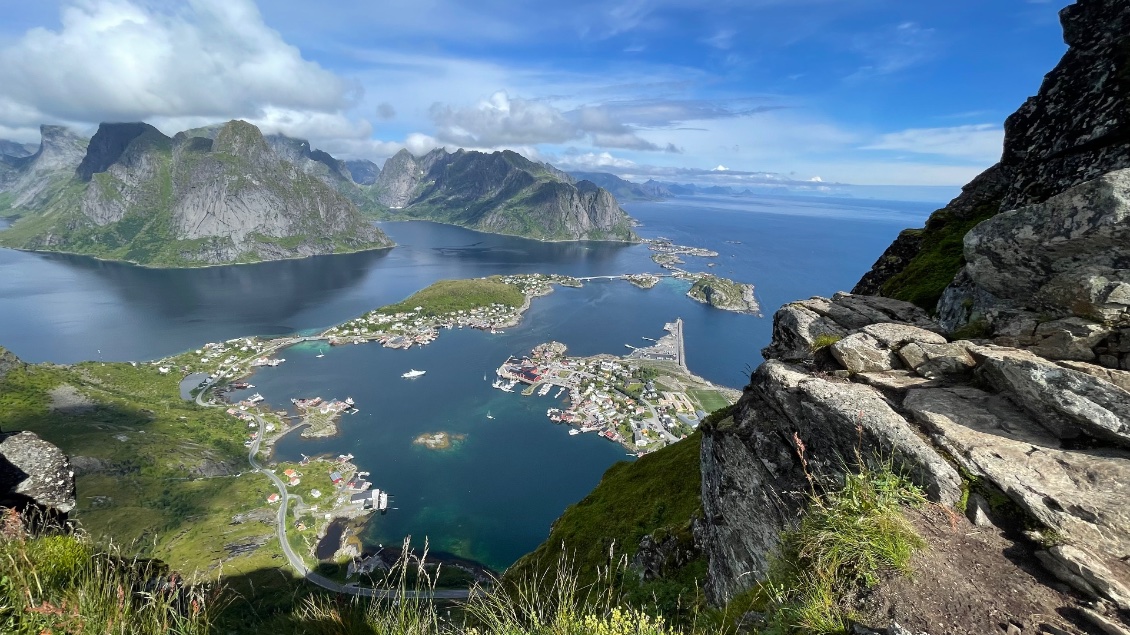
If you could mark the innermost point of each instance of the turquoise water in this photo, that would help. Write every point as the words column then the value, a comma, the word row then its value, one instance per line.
column 494, row 497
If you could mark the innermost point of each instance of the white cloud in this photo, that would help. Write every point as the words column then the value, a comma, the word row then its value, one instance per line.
column 981, row 143
column 592, row 161
column 503, row 120
column 128, row 60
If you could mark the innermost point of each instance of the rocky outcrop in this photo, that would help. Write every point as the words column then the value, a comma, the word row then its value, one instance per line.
column 1052, row 438
column 229, row 195
column 1075, row 129
column 1053, row 276
column 34, row 471
column 501, row 192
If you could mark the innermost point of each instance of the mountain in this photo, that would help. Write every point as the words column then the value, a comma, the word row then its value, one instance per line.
column 623, row 190
column 28, row 182
column 363, row 171
column 501, row 192
column 16, row 150
column 217, row 195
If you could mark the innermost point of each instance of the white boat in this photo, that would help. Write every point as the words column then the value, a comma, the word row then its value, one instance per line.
column 574, row 432
column 490, row 416
column 412, row 374
column 349, row 401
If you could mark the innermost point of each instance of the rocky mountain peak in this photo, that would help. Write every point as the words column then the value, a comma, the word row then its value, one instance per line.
column 59, row 147
column 1075, row 129
column 363, row 171
column 241, row 139
column 109, row 144
column 1077, row 126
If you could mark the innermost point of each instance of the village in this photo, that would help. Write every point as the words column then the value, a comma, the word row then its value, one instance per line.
column 644, row 401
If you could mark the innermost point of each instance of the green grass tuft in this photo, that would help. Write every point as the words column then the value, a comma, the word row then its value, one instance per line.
column 847, row 539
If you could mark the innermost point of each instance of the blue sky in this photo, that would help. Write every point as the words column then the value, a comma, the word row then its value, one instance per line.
column 853, row 91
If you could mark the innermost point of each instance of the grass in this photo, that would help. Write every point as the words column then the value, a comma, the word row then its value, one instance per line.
column 847, row 539
column 59, row 582
column 825, row 340
column 939, row 258
column 660, row 495
column 708, row 400
column 148, row 447
column 449, row 296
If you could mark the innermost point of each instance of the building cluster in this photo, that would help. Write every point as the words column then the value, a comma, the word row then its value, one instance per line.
column 610, row 396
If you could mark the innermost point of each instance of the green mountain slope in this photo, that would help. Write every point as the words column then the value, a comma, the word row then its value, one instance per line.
column 222, row 197
column 502, row 192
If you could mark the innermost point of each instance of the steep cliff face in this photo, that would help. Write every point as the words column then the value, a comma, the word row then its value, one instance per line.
column 1017, row 393
column 501, row 192
column 1073, row 130
column 31, row 181
column 231, row 195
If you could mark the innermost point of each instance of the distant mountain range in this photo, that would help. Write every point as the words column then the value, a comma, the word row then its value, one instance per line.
column 214, row 195
column 227, row 193
column 500, row 192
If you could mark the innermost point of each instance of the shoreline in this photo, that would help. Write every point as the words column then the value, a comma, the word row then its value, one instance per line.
column 133, row 263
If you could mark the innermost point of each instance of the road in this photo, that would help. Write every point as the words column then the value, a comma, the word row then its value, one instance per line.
column 294, row 559
column 298, row 565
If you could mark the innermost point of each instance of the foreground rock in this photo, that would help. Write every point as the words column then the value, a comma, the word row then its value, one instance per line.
column 35, row 471
column 1052, row 440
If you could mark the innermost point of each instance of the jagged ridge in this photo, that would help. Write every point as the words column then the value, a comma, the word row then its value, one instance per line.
column 217, row 195
column 501, row 192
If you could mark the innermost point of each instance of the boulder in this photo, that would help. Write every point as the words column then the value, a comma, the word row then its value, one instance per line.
column 796, row 329
column 893, row 336
column 799, row 325
column 862, row 353
column 1086, row 573
column 934, row 361
column 1081, row 495
column 32, row 469
column 755, row 482
column 1119, row 378
column 1069, row 338
column 1059, row 397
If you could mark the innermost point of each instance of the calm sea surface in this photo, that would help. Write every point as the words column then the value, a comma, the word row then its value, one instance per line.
column 493, row 497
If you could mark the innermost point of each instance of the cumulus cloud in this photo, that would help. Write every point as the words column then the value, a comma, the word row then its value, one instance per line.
column 503, row 119
column 129, row 60
column 576, row 160
column 980, row 143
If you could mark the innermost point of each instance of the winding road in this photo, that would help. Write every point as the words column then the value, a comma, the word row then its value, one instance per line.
column 293, row 558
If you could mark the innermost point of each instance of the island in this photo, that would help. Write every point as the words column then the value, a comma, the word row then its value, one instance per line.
column 439, row 440
column 721, row 293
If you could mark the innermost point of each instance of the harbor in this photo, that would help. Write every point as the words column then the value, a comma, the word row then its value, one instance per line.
column 643, row 401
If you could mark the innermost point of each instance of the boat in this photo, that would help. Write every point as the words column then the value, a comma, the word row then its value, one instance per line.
column 349, row 401
column 489, row 415
column 574, row 432
column 412, row 374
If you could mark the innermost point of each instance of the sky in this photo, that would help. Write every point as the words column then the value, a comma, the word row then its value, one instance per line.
column 873, row 92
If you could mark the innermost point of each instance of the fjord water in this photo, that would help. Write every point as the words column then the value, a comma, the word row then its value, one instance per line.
column 495, row 495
